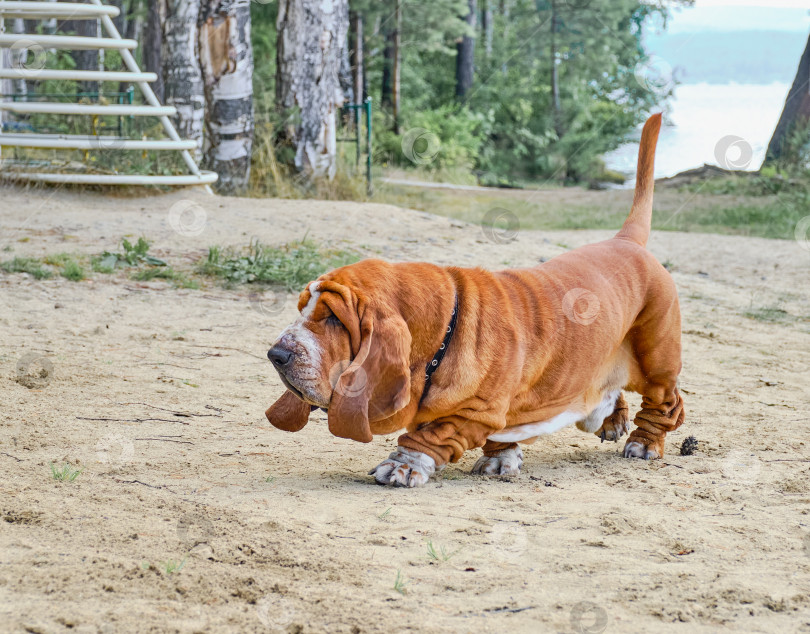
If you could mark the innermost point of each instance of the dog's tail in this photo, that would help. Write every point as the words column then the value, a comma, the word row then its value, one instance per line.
column 637, row 225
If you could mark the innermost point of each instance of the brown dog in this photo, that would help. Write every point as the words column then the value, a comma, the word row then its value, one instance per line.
column 465, row 358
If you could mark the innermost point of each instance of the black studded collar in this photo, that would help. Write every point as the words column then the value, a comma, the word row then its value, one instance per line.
column 436, row 361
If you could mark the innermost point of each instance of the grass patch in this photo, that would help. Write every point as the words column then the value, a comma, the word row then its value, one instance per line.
column 66, row 473
column 31, row 266
column 772, row 314
column 290, row 265
column 439, row 553
column 400, row 583
column 767, row 215
column 73, row 271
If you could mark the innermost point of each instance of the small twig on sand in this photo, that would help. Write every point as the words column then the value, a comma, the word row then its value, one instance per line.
column 3, row 453
column 133, row 420
column 184, row 442
column 178, row 413
column 510, row 610
column 788, row 460
column 151, row 486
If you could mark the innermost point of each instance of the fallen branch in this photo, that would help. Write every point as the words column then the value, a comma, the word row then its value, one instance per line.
column 184, row 442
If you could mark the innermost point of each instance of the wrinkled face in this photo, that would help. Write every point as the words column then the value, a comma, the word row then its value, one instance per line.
column 312, row 352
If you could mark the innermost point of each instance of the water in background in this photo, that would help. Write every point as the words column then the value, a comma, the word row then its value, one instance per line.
column 699, row 116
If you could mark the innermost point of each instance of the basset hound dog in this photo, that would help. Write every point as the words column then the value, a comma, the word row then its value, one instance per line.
column 463, row 358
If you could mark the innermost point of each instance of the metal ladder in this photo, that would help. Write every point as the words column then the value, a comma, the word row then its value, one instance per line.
column 104, row 14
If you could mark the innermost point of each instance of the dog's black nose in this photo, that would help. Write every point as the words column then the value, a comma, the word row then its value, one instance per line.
column 279, row 356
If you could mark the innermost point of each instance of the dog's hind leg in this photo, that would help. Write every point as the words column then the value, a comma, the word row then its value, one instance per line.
column 656, row 343
column 616, row 424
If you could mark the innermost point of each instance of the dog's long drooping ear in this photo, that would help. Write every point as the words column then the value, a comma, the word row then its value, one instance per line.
column 377, row 383
column 289, row 412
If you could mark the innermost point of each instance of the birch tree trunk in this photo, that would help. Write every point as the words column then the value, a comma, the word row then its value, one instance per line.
column 465, row 58
column 796, row 112
column 19, row 57
column 226, row 60
column 311, row 36
column 182, row 77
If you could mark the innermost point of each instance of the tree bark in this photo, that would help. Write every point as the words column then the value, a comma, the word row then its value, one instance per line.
column 311, row 34
column 797, row 109
column 152, row 45
column 182, row 77
column 226, row 59
column 465, row 58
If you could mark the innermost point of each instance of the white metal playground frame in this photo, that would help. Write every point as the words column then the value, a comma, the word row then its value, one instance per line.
column 43, row 10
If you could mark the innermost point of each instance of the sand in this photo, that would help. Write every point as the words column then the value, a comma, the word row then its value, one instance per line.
column 158, row 395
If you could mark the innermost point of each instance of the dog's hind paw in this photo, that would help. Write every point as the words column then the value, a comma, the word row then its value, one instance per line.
column 404, row 468
column 634, row 449
column 505, row 462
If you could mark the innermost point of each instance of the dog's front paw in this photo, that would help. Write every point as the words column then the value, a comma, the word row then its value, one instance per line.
column 505, row 462
column 404, row 468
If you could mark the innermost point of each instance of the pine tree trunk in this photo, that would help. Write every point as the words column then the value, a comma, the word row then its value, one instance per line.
column 311, row 35
column 226, row 59
column 487, row 27
column 386, row 88
column 395, row 87
column 152, row 45
column 465, row 58
column 556, row 108
column 797, row 109
column 357, row 56
column 182, row 78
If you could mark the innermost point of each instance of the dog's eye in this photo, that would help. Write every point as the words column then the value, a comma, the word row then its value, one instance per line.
column 334, row 321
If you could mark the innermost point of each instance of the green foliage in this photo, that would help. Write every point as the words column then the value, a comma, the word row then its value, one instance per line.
column 67, row 473
column 290, row 265
column 133, row 255
column 73, row 271
column 26, row 265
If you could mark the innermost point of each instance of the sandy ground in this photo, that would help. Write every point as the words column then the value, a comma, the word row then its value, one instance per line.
column 158, row 394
